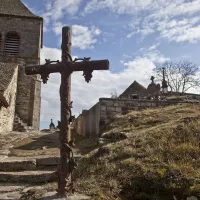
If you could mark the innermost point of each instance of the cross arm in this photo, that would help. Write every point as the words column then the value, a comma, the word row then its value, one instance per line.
column 74, row 66
column 89, row 65
column 44, row 69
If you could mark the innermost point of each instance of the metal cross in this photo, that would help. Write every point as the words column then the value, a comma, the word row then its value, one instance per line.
column 66, row 67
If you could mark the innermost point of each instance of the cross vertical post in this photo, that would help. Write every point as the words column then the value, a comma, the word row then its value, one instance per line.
column 66, row 67
column 65, row 90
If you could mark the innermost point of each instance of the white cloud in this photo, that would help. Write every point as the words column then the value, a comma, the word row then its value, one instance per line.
column 117, row 6
column 174, row 20
column 49, row 53
column 47, row 18
column 56, row 10
column 181, row 31
column 171, row 8
column 131, row 34
column 84, row 37
column 153, row 47
column 59, row 8
column 57, row 28
column 48, row 5
column 103, row 83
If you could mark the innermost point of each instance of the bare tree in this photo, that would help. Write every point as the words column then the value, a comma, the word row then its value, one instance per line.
column 180, row 76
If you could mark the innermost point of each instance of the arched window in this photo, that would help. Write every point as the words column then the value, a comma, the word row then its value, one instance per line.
column 12, row 43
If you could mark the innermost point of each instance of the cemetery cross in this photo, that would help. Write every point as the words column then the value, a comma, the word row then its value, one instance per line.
column 66, row 67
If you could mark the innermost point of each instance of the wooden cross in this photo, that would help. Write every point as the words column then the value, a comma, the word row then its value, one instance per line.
column 66, row 67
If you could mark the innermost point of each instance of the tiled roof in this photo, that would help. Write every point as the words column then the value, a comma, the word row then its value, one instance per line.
column 15, row 8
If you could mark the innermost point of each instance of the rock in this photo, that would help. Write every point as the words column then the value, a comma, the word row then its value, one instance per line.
column 192, row 198
column 53, row 195
column 30, row 188
column 174, row 198
column 103, row 141
column 115, row 136
column 102, row 152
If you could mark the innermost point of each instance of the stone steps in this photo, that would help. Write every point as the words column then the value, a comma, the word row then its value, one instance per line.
column 20, row 174
column 10, row 196
column 28, row 176
column 17, row 164
column 21, row 164
column 14, row 191
column 9, row 187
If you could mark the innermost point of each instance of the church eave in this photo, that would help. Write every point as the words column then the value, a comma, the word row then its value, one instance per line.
column 19, row 16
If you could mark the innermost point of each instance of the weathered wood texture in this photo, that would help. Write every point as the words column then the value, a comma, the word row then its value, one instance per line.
column 66, row 67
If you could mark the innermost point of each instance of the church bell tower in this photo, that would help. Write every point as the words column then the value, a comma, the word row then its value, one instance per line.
column 21, row 34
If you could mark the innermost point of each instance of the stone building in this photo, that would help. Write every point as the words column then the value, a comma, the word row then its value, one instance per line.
column 21, row 34
column 138, row 91
column 134, row 91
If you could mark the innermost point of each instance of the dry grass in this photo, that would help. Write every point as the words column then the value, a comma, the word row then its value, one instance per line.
column 159, row 159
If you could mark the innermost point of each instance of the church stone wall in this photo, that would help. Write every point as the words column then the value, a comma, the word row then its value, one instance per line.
column 7, row 114
column 28, row 93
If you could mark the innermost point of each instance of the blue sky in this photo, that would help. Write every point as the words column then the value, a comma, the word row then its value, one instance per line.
column 132, row 34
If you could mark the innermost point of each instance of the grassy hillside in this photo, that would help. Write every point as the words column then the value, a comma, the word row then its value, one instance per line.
column 153, row 154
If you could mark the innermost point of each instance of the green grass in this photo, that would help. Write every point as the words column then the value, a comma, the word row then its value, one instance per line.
column 155, row 155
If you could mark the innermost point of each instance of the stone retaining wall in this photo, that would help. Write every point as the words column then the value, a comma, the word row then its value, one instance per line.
column 89, row 123
column 110, row 107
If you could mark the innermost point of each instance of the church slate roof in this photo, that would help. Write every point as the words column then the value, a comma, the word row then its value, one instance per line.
column 16, row 8
column 7, row 71
column 135, row 88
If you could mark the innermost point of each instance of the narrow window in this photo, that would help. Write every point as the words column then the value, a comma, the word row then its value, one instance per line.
column 12, row 43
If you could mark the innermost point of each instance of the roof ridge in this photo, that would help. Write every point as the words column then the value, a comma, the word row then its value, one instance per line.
column 27, row 8
column 16, row 8
column 138, row 84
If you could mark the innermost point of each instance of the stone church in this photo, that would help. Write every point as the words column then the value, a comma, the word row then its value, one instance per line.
column 21, row 35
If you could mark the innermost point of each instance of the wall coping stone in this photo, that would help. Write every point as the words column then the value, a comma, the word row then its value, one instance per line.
column 149, row 101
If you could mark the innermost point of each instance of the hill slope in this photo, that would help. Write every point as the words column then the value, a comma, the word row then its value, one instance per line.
column 155, row 155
